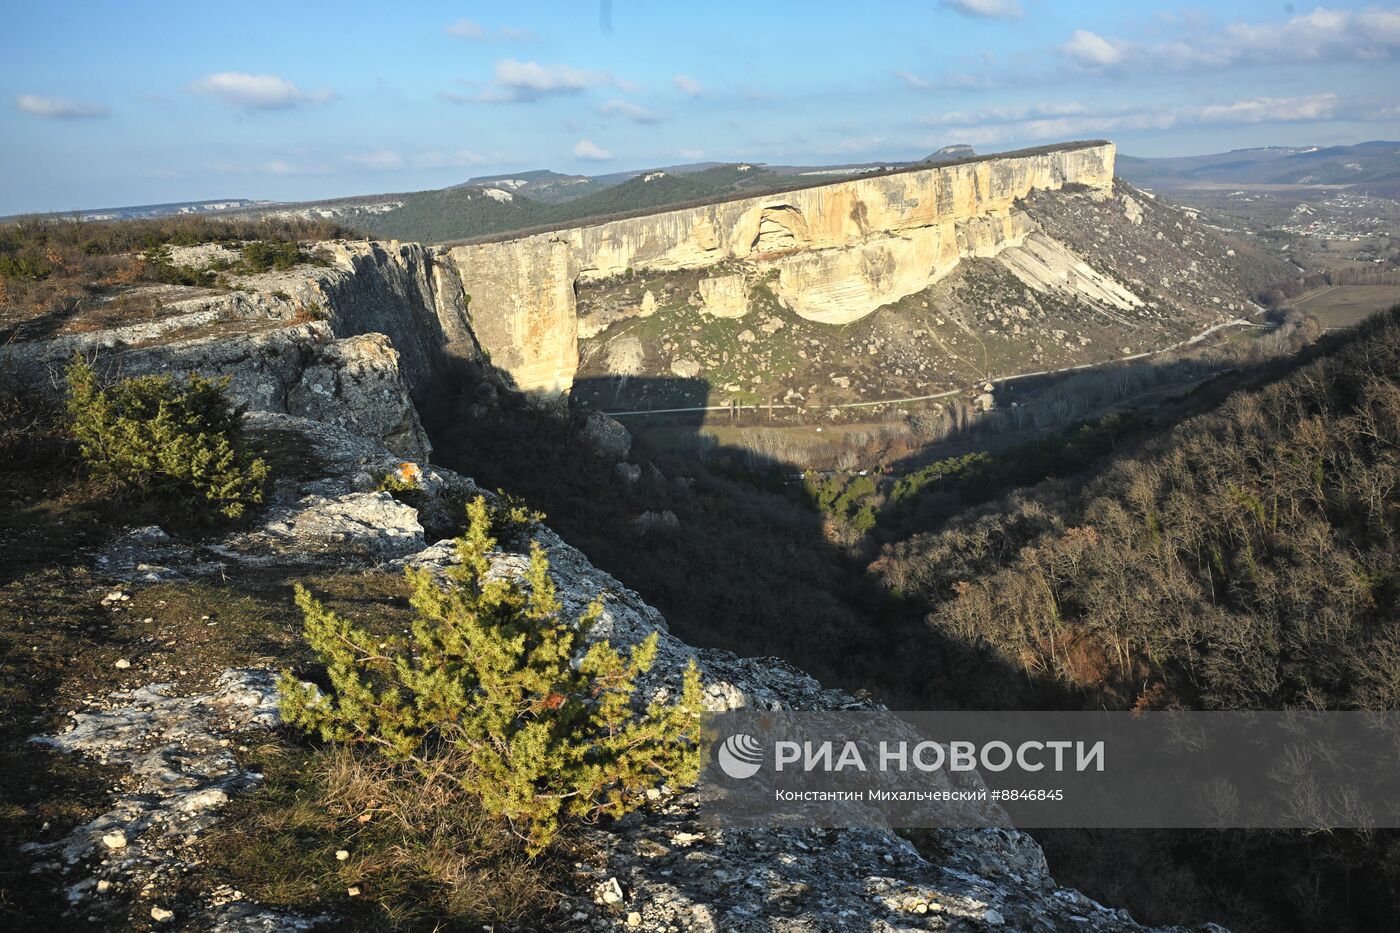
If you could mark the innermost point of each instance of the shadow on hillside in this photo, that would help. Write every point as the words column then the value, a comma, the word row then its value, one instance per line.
column 44, row 325
column 726, row 544
column 1064, row 426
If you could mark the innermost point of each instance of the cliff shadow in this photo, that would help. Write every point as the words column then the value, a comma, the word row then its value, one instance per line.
column 680, row 401
column 724, row 541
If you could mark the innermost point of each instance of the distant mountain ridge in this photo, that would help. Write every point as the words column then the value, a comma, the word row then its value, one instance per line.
column 1371, row 166
column 140, row 211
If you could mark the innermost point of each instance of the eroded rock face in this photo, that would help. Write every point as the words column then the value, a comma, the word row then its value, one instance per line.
column 840, row 250
column 403, row 291
column 348, row 343
column 724, row 295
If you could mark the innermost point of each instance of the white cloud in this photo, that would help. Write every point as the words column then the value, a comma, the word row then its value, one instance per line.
column 1067, row 120
column 1091, row 50
column 257, row 92
column 585, row 149
column 284, row 167
column 913, row 80
column 466, row 29
column 688, row 85
column 515, row 81
column 957, row 81
column 625, row 108
column 962, row 81
column 389, row 160
column 1322, row 35
column 59, row 109
column 380, row 159
column 985, row 9
column 1275, row 110
column 473, row 31
column 281, row 167
column 1333, row 35
column 456, row 158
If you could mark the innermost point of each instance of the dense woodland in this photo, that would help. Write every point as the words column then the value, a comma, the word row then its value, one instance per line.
column 1247, row 559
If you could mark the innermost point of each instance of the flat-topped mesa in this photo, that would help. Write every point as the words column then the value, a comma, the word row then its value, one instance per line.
column 833, row 252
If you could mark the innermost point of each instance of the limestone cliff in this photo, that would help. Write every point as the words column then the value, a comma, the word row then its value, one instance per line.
column 836, row 252
column 348, row 342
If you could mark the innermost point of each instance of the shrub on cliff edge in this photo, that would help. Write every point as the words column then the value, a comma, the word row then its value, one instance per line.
column 154, row 436
column 488, row 672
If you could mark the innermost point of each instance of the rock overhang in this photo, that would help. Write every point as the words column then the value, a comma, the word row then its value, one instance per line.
column 840, row 249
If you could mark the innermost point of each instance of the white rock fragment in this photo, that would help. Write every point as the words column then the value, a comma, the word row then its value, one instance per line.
column 608, row 892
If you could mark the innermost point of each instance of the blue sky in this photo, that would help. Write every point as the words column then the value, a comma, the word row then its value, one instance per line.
column 105, row 104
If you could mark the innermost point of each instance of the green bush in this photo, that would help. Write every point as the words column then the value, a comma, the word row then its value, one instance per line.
column 488, row 672
column 262, row 255
column 156, row 437
column 160, row 267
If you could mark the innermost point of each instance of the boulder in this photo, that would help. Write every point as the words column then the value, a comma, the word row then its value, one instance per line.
column 725, row 296
column 606, row 436
column 650, row 522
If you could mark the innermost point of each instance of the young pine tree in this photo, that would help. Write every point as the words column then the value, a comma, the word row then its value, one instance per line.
column 489, row 670
column 156, row 437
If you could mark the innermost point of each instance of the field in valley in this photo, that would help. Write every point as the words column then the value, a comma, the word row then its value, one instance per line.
column 1344, row 305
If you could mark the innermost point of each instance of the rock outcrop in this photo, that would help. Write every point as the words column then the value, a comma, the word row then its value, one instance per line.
column 838, row 250
column 349, row 341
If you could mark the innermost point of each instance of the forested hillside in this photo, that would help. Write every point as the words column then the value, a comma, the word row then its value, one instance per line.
column 462, row 212
column 1247, row 559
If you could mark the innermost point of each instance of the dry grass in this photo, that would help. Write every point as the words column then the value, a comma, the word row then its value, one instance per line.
column 1345, row 305
column 422, row 854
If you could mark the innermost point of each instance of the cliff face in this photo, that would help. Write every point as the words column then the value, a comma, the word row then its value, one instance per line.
column 402, row 291
column 357, row 342
column 833, row 253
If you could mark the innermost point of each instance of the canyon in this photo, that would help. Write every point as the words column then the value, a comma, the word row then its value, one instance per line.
column 1027, row 260
column 331, row 363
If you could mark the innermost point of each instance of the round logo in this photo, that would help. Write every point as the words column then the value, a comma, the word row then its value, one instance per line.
column 740, row 755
